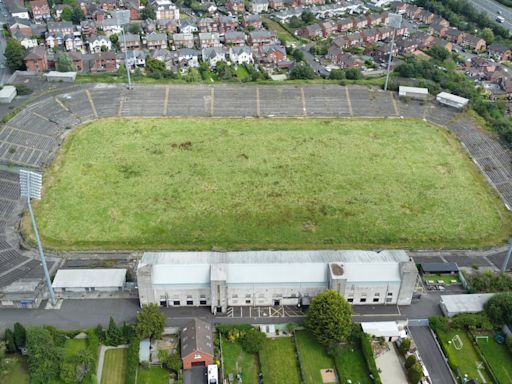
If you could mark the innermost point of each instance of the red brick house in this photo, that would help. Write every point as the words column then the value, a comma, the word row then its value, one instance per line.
column 40, row 9
column 197, row 344
column 360, row 22
column 103, row 62
column 252, row 21
column 499, row 51
column 311, row 31
column 24, row 29
column 37, row 60
column 327, row 28
column 454, row 35
column 344, row 24
column 235, row 5
column 78, row 60
column 474, row 42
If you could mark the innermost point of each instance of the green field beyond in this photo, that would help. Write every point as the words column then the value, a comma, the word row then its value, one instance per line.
column 281, row 183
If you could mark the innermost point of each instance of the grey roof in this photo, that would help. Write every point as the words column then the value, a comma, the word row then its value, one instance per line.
column 266, row 257
column 211, row 53
column 156, row 37
column 197, row 336
column 144, row 350
column 81, row 278
column 239, row 50
column 129, row 37
column 465, row 303
column 439, row 267
column 234, row 35
column 60, row 25
column 261, row 33
column 187, row 52
column 208, row 36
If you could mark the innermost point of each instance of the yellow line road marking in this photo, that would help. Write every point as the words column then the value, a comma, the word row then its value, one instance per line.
column 303, row 102
column 62, row 104
column 258, row 110
column 167, row 90
column 349, row 101
column 91, row 102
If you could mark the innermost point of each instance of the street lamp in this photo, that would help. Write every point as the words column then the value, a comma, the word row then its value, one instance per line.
column 126, row 60
column 395, row 21
column 30, row 184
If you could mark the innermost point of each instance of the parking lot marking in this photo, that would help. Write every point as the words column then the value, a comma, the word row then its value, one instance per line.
column 91, row 102
column 258, row 111
column 43, row 117
column 167, row 90
column 395, row 106
column 29, row 132
column 349, row 102
column 120, row 110
column 303, row 101
column 62, row 104
column 212, row 100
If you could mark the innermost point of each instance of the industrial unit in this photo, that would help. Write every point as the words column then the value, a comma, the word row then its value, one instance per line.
column 89, row 280
column 413, row 92
column 265, row 278
column 452, row 100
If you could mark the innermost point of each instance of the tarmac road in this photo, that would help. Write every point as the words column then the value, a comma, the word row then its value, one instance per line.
column 492, row 7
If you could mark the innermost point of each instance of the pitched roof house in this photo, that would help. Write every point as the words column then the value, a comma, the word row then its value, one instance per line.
column 197, row 344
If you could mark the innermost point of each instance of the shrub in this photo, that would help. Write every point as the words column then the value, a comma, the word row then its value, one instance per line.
column 132, row 361
column 499, row 308
column 23, row 90
column 252, row 341
column 415, row 373
column 438, row 323
column 366, row 347
column 404, row 347
column 509, row 343
column 10, row 344
column 19, row 335
column 410, row 361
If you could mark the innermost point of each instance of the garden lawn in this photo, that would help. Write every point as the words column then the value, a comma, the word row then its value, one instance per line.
column 236, row 360
column 268, row 183
column 466, row 359
column 114, row 366
column 278, row 361
column 73, row 346
column 498, row 357
column 351, row 365
column 16, row 370
column 153, row 375
column 313, row 357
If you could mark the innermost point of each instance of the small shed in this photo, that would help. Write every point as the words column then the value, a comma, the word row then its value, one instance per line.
column 450, row 268
column 387, row 329
column 64, row 77
column 197, row 344
column 89, row 280
column 413, row 92
column 144, row 350
column 452, row 100
column 452, row 305
column 7, row 94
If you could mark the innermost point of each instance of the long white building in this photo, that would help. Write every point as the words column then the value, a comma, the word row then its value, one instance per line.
column 262, row 278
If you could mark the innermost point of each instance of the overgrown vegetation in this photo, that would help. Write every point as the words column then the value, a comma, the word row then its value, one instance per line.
column 164, row 172
column 489, row 281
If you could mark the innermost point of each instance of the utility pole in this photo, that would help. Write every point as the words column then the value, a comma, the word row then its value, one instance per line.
column 30, row 184
column 395, row 21
column 126, row 61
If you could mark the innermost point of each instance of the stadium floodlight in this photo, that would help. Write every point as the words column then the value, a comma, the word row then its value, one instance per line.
column 395, row 21
column 126, row 60
column 30, row 184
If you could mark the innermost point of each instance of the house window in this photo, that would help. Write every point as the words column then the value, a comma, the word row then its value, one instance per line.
column 389, row 300
column 202, row 302
column 350, row 299
column 190, row 302
column 390, row 293
column 375, row 299
column 362, row 300
column 176, row 303
column 247, row 301
column 377, row 294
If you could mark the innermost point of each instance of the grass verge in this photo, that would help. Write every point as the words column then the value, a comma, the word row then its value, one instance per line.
column 351, row 365
column 259, row 184
column 278, row 361
column 313, row 357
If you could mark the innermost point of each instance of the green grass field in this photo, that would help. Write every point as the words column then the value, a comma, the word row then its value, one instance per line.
column 15, row 370
column 73, row 346
column 278, row 361
column 259, row 184
column 498, row 357
column 236, row 360
column 466, row 358
column 350, row 365
column 313, row 357
column 153, row 375
column 114, row 366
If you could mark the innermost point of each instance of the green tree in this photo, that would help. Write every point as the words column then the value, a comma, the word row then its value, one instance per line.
column 19, row 335
column 10, row 344
column 415, row 373
column 405, row 345
column 192, row 75
column 172, row 361
column 77, row 15
column 329, row 319
column 67, row 14
column 148, row 13
column 252, row 341
column 77, row 368
column 155, row 68
column 44, row 356
column 64, row 63
column 298, row 55
column 295, row 22
column 353, row 74
column 410, row 361
column 302, row 71
column 499, row 308
column 114, row 335
column 100, row 332
column 2, row 357
column 150, row 322
column 134, row 28
column 14, row 55
column 114, row 39
column 439, row 53
column 488, row 35
column 308, row 17
column 337, row 74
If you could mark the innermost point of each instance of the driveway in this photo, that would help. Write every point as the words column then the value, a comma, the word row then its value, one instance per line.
column 195, row 375
column 431, row 355
column 391, row 371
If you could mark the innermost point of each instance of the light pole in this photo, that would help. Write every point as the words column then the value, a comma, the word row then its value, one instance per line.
column 126, row 61
column 30, row 184
column 395, row 21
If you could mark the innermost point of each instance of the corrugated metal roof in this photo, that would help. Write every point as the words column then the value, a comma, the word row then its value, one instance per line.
column 164, row 274
column 403, row 90
column 81, row 278
column 465, row 303
column 381, row 328
column 451, row 97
